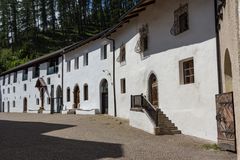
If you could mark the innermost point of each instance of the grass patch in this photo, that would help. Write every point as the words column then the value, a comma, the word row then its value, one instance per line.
column 211, row 147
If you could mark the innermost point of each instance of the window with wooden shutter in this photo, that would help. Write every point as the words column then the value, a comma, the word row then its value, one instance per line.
column 181, row 20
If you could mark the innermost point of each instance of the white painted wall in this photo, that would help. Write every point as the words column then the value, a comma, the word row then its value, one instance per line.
column 32, row 93
column 141, row 121
column 92, row 75
column 191, row 107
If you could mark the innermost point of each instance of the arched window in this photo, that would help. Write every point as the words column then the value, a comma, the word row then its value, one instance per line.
column 68, row 94
column 85, row 92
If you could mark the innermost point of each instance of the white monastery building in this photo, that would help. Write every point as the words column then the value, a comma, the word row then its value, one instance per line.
column 158, row 68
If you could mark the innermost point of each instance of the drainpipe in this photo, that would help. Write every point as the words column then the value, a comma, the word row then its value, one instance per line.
column 62, row 78
column 114, row 77
column 218, row 48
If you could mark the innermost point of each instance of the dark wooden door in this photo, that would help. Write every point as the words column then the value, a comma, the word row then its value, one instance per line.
column 104, row 103
column 25, row 105
column 154, row 94
column 226, row 122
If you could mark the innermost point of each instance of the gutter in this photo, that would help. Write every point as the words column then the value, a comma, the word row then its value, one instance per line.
column 114, row 76
column 220, row 87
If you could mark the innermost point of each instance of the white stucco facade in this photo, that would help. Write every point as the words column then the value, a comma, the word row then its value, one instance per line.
column 191, row 107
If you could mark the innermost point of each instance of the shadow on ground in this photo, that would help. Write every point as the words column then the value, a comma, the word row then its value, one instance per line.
column 25, row 141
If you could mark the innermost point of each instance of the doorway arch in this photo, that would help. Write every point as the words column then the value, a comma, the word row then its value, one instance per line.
column 153, row 90
column 25, row 107
column 228, row 72
column 104, row 96
column 76, row 97
column 59, row 99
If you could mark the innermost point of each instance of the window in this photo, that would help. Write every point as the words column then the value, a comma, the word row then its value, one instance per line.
column 123, row 85
column 143, row 38
column 85, row 92
column 14, row 104
column 187, row 71
column 122, row 54
column 25, row 87
column 14, row 89
column 68, row 94
column 8, row 90
column 3, row 91
column 36, row 71
column 85, row 59
column 25, row 74
column 76, row 65
column 69, row 66
column 52, row 66
column 49, row 100
column 181, row 20
column 37, row 101
column 9, row 78
column 3, row 80
column 15, row 77
column 49, row 80
column 104, row 52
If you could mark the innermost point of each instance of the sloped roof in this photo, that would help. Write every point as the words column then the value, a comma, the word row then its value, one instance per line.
column 132, row 13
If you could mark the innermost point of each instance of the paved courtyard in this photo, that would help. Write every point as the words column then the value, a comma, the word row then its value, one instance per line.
column 74, row 137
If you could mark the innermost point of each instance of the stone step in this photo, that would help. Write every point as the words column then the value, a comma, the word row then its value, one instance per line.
column 166, row 126
column 71, row 111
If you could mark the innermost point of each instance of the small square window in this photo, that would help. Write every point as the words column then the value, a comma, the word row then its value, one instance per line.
column 123, row 54
column 49, row 100
column 123, row 85
column 85, row 92
column 15, row 77
column 69, row 66
column 14, row 104
column 187, row 71
column 104, row 52
column 76, row 65
column 4, row 80
column 9, row 78
column 49, row 80
column 25, row 87
column 37, row 101
column 85, row 60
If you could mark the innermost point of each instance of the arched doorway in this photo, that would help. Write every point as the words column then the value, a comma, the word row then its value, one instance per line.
column 228, row 72
column 104, row 96
column 59, row 99
column 76, row 94
column 153, row 90
column 25, row 105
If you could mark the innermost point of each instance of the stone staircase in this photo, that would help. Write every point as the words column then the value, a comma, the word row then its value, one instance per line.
column 165, row 126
